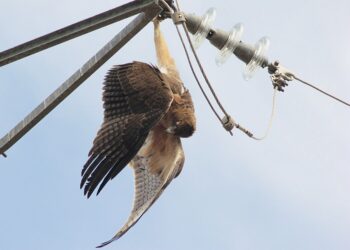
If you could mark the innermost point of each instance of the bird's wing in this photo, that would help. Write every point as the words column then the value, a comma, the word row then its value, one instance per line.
column 155, row 166
column 135, row 98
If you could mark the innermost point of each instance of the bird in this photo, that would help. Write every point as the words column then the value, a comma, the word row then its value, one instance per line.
column 147, row 110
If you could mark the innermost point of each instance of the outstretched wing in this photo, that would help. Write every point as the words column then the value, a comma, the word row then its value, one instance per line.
column 135, row 98
column 155, row 166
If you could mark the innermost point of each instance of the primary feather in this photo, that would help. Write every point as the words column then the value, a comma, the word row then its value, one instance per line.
column 135, row 99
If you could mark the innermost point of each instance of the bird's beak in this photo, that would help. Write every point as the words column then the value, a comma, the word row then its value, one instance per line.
column 171, row 130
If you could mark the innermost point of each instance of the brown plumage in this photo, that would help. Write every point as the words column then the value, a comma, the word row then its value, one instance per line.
column 146, row 111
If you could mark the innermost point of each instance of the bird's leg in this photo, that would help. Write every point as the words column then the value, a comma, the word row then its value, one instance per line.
column 164, row 59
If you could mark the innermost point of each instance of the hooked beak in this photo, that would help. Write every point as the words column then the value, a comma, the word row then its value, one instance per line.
column 171, row 130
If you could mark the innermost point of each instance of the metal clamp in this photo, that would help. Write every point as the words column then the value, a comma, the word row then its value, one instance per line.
column 280, row 76
column 148, row 9
column 228, row 123
column 178, row 17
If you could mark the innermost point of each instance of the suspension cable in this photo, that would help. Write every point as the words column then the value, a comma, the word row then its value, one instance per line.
column 195, row 75
column 227, row 121
column 228, row 124
column 200, row 65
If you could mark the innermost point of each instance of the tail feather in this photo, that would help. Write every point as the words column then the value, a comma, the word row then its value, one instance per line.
column 108, row 242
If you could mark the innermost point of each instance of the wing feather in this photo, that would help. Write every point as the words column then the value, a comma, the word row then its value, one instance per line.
column 135, row 98
column 149, row 184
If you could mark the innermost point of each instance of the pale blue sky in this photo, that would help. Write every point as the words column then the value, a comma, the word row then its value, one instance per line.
column 289, row 192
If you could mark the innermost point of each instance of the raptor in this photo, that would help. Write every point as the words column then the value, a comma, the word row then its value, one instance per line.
column 147, row 110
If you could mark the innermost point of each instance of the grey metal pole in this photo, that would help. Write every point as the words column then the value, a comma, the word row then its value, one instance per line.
column 79, row 77
column 74, row 30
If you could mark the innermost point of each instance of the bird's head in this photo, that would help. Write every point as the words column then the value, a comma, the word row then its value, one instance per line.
column 182, row 128
column 182, row 121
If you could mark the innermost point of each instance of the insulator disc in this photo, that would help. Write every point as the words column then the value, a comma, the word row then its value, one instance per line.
column 204, row 28
column 231, row 44
column 258, row 59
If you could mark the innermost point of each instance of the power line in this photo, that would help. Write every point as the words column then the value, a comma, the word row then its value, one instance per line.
column 322, row 91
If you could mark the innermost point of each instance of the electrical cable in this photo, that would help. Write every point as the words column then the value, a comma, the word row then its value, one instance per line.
column 320, row 90
column 203, row 72
column 271, row 117
column 202, row 69
column 195, row 75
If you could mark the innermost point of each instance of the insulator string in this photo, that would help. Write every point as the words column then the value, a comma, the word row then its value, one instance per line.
column 231, row 124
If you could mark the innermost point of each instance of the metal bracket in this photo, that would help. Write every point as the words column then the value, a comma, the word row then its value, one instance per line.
column 178, row 17
column 151, row 10
column 75, row 30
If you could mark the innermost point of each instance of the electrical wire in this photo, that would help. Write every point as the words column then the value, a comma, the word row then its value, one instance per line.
column 200, row 65
column 177, row 4
column 202, row 70
column 195, row 75
column 320, row 90
column 271, row 118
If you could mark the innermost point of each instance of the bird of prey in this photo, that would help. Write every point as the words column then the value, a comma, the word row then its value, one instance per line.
column 146, row 111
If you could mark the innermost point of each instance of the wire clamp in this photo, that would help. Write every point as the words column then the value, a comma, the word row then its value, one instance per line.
column 168, row 9
column 279, row 76
column 244, row 130
column 178, row 17
column 228, row 123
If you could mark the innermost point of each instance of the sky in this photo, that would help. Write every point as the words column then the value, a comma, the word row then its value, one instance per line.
column 288, row 192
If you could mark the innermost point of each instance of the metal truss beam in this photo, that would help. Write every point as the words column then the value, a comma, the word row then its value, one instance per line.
column 80, row 76
column 75, row 30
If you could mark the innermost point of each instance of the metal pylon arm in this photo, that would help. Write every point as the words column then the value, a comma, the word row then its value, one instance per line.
column 151, row 11
column 75, row 30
